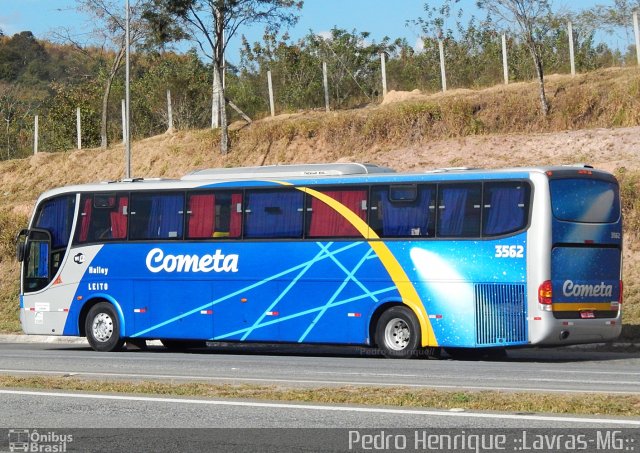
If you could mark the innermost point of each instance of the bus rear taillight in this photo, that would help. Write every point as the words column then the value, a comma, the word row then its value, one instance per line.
column 545, row 295
column 621, row 292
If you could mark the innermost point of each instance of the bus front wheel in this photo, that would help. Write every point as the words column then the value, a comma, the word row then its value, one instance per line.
column 398, row 333
column 103, row 328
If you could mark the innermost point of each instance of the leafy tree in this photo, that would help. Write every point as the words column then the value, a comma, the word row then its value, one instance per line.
column 189, row 81
column 175, row 19
column 472, row 49
column 296, row 73
column 612, row 18
column 15, row 109
column 534, row 21
column 108, row 19
column 353, row 66
column 59, row 122
column 23, row 59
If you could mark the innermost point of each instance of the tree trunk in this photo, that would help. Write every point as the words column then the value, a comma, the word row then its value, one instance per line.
column 537, row 61
column 215, row 100
column 105, row 98
column 218, row 67
column 8, row 142
column 224, row 127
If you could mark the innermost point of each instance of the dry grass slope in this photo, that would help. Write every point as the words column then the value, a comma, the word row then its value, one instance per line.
column 595, row 118
column 622, row 405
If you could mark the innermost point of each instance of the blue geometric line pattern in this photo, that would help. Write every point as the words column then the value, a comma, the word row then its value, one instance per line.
column 346, row 271
column 323, row 252
column 245, row 289
column 306, row 312
column 349, row 277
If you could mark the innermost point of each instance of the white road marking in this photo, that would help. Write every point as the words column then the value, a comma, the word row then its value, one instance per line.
column 608, row 421
column 323, row 382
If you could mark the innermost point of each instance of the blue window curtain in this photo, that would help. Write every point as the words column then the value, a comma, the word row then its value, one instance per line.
column 274, row 214
column 507, row 211
column 406, row 218
column 43, row 261
column 453, row 202
column 165, row 219
column 55, row 218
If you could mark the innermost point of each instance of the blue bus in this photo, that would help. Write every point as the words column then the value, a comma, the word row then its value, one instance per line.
column 343, row 253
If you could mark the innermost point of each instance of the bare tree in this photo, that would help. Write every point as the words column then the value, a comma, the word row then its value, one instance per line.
column 12, row 109
column 212, row 23
column 108, row 33
column 533, row 18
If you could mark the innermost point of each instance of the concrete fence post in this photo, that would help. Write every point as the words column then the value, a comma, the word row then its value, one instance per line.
column 571, row 54
column 272, row 105
column 443, row 72
column 35, row 135
column 78, row 128
column 505, row 66
column 325, row 82
column 383, row 68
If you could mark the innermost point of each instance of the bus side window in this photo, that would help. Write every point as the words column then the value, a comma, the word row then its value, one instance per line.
column 56, row 216
column 157, row 216
column 214, row 215
column 459, row 210
column 103, row 217
column 506, row 207
column 403, row 210
column 274, row 214
column 325, row 221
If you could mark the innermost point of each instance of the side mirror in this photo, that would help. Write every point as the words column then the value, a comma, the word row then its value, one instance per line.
column 20, row 251
column 21, row 244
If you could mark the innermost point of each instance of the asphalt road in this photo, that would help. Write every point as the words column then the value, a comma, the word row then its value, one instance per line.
column 535, row 370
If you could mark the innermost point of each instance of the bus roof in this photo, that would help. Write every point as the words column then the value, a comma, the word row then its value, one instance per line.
column 308, row 174
column 286, row 171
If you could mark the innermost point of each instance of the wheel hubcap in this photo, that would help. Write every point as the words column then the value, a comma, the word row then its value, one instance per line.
column 102, row 327
column 397, row 334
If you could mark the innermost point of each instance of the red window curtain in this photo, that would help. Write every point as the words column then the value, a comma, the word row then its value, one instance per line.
column 86, row 219
column 235, row 223
column 202, row 217
column 327, row 222
column 119, row 219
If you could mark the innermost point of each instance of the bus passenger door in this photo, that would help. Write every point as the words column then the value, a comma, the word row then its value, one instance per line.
column 33, row 251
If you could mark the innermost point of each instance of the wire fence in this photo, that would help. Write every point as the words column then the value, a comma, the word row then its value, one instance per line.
column 333, row 84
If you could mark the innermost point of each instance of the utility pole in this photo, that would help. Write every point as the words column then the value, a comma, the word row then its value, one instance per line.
column 127, row 143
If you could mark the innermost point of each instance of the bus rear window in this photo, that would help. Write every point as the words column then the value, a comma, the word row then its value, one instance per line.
column 585, row 200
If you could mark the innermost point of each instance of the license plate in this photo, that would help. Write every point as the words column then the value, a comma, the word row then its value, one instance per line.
column 587, row 315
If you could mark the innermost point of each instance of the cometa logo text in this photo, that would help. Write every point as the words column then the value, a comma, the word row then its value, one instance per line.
column 157, row 261
column 570, row 289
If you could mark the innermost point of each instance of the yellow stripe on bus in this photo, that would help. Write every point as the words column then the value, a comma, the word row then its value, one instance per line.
column 407, row 291
column 568, row 306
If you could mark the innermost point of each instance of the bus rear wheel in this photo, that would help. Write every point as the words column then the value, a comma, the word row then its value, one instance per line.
column 103, row 328
column 398, row 333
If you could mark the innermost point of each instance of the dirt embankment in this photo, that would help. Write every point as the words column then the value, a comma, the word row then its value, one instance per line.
column 409, row 132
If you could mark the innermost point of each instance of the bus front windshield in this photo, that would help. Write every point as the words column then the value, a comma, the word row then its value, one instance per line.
column 585, row 200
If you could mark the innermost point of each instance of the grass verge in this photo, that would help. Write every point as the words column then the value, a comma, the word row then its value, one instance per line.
column 591, row 404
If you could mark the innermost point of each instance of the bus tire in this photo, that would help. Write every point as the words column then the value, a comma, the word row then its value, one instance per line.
column 103, row 328
column 398, row 333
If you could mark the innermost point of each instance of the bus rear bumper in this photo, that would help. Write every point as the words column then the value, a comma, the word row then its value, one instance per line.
column 565, row 332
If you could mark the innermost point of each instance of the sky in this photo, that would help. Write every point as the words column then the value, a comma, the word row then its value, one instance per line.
column 379, row 17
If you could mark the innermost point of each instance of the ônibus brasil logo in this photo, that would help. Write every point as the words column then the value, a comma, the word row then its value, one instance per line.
column 157, row 261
